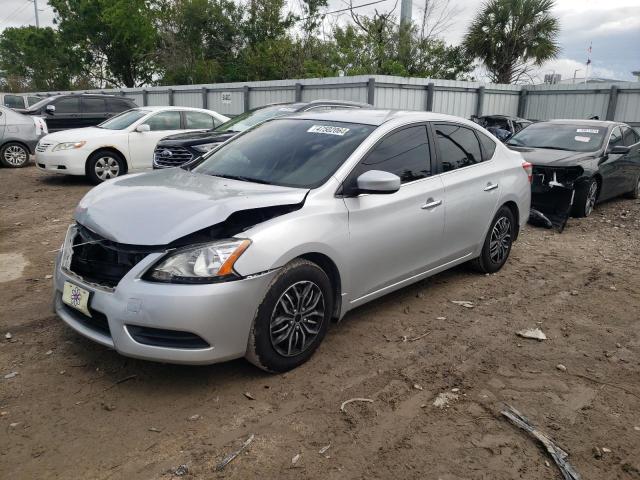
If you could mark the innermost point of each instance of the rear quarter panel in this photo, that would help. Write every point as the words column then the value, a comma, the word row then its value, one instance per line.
column 515, row 183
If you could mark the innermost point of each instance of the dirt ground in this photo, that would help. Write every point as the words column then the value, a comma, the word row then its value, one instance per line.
column 76, row 410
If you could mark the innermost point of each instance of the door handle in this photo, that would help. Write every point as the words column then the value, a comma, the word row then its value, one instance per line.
column 490, row 186
column 431, row 203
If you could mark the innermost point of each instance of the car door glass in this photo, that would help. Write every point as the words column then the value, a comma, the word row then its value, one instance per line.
column 488, row 146
column 404, row 153
column 93, row 105
column 67, row 105
column 13, row 101
column 629, row 136
column 198, row 120
column 616, row 138
column 32, row 100
column 116, row 105
column 458, row 146
column 165, row 121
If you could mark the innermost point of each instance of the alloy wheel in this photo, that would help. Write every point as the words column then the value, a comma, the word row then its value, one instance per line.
column 592, row 194
column 15, row 155
column 297, row 318
column 500, row 240
column 106, row 168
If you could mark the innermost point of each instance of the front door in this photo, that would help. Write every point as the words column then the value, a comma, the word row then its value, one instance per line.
column 394, row 237
column 142, row 144
column 66, row 115
column 612, row 168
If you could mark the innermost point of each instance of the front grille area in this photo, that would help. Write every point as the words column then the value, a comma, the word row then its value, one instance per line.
column 171, row 156
column 42, row 147
column 96, row 322
column 158, row 337
column 102, row 261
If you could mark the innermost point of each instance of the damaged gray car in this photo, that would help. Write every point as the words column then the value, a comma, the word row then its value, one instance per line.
column 576, row 164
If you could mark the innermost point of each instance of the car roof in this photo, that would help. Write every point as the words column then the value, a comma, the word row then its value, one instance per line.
column 155, row 108
column 378, row 117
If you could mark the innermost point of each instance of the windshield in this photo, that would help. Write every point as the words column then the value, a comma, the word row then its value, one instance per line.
column 287, row 152
column 123, row 120
column 249, row 119
column 557, row 136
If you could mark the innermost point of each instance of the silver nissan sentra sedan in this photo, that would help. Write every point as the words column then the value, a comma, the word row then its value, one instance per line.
column 253, row 249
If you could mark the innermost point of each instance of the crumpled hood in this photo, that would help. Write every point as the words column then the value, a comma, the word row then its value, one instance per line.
column 159, row 207
column 556, row 158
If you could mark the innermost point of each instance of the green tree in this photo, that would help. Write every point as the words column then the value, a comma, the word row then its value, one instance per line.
column 511, row 36
column 115, row 40
column 37, row 59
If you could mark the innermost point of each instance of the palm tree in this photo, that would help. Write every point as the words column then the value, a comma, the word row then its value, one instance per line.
column 511, row 36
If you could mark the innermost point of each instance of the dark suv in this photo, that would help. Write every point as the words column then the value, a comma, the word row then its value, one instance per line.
column 175, row 150
column 62, row 112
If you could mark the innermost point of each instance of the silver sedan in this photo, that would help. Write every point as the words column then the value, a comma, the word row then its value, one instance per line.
column 252, row 250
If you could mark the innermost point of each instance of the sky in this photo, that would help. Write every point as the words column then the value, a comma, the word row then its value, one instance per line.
column 611, row 26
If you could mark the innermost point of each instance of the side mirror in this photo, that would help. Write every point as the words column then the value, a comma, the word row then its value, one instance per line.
column 619, row 150
column 50, row 109
column 377, row 181
column 143, row 128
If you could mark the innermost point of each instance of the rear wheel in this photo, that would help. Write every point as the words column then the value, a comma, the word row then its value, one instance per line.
column 14, row 155
column 497, row 244
column 292, row 319
column 585, row 198
column 104, row 165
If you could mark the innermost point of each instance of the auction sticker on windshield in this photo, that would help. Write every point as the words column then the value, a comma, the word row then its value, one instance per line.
column 582, row 139
column 76, row 297
column 328, row 129
column 587, row 130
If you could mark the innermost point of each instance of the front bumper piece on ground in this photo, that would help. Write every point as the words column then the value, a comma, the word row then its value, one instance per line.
column 552, row 194
column 189, row 324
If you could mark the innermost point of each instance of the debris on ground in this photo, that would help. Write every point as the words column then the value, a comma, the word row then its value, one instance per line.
column 154, row 429
column 561, row 367
column 10, row 375
column 597, row 453
column 108, row 407
column 295, row 459
column 249, row 396
column 346, row 402
column 193, row 418
column 8, row 336
column 445, row 399
column 558, row 455
column 324, row 449
column 606, row 450
column 229, row 458
column 419, row 337
column 534, row 333
column 181, row 471
column 463, row 303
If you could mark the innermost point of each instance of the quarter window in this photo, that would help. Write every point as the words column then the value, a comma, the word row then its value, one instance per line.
column 488, row 146
column 404, row 153
column 116, row 105
column 93, row 105
column 198, row 120
column 165, row 121
column 458, row 146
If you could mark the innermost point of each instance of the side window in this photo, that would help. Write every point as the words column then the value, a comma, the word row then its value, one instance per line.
column 458, row 146
column 616, row 138
column 68, row 105
column 404, row 153
column 165, row 121
column 93, row 105
column 32, row 100
column 488, row 146
column 116, row 105
column 629, row 136
column 198, row 120
column 13, row 101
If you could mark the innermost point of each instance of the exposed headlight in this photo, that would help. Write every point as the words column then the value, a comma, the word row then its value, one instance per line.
column 206, row 263
column 68, row 146
column 205, row 147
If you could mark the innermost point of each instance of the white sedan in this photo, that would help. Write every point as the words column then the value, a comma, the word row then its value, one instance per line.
column 122, row 144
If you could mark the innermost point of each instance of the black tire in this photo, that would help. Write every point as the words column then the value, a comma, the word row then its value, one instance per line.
column 585, row 198
column 635, row 193
column 14, row 155
column 498, row 242
column 104, row 165
column 278, row 339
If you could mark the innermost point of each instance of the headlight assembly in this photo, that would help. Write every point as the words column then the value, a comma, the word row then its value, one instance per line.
column 205, row 147
column 68, row 146
column 205, row 263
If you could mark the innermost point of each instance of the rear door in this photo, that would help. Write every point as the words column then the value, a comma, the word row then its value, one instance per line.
column 612, row 168
column 472, row 187
column 66, row 115
column 117, row 105
column 394, row 237
column 631, row 139
column 94, row 110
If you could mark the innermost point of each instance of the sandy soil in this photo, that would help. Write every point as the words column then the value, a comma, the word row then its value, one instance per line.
column 78, row 410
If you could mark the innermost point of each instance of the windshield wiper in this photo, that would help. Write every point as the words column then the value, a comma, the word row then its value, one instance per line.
column 242, row 178
column 552, row 148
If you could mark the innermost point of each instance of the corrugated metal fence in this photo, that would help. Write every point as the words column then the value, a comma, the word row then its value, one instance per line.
column 611, row 101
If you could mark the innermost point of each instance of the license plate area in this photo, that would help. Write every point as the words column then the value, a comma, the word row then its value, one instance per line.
column 76, row 297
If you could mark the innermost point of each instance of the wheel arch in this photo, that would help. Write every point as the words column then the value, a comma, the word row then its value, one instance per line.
column 331, row 269
column 19, row 142
column 513, row 207
column 107, row 149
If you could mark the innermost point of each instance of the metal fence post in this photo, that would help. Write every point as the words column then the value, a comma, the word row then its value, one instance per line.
column 245, row 97
column 298, row 92
column 171, row 96
column 613, row 103
column 371, row 91
column 522, row 103
column 431, row 90
column 205, row 98
column 479, row 101
column 145, row 99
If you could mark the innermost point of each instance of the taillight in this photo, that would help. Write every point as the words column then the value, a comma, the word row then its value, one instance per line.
column 528, row 167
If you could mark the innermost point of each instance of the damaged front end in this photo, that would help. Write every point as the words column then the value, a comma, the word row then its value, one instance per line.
column 552, row 194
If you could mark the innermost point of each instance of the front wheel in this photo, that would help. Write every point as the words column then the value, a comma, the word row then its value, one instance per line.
column 14, row 155
column 105, row 165
column 292, row 319
column 585, row 198
column 497, row 244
